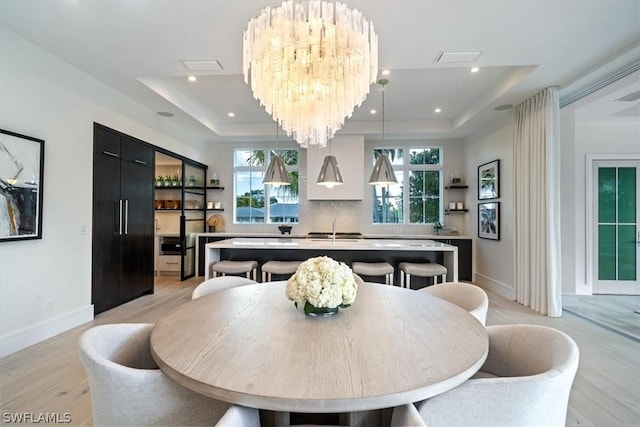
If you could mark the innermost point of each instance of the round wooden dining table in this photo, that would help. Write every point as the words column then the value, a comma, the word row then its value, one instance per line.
column 250, row 346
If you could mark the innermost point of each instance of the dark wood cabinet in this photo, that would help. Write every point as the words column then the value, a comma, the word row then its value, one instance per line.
column 122, row 250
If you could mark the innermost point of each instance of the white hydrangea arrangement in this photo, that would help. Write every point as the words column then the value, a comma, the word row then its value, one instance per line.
column 322, row 282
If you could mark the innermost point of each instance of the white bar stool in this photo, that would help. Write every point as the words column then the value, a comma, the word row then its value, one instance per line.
column 374, row 269
column 429, row 269
column 278, row 267
column 235, row 267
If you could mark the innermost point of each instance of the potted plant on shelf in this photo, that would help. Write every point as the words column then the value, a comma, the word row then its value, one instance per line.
column 160, row 181
column 437, row 227
column 175, row 181
column 167, row 181
column 192, row 181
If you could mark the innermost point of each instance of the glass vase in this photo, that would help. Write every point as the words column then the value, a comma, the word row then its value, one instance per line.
column 313, row 311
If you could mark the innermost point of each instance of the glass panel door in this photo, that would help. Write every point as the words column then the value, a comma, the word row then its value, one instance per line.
column 192, row 220
column 618, row 230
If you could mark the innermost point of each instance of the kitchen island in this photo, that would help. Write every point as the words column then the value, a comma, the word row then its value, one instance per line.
column 392, row 251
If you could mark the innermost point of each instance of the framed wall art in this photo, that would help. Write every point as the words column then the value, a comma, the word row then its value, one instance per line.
column 21, row 176
column 489, row 180
column 489, row 220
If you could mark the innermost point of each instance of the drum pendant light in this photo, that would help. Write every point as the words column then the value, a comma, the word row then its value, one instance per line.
column 383, row 170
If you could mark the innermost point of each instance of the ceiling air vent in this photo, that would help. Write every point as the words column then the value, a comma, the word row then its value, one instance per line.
column 203, row 65
column 457, row 57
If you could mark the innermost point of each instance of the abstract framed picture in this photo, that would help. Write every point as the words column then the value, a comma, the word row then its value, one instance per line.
column 489, row 220
column 21, row 179
column 489, row 180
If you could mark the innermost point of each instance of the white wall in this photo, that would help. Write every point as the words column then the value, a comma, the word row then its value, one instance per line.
column 568, row 251
column 494, row 259
column 317, row 215
column 45, row 285
column 578, row 138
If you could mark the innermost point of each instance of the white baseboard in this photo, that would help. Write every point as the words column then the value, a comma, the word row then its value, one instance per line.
column 496, row 286
column 33, row 334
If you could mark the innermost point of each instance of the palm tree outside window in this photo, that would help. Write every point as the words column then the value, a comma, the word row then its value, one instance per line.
column 259, row 203
column 422, row 203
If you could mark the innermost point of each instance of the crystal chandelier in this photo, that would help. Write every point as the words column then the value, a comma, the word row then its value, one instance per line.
column 310, row 68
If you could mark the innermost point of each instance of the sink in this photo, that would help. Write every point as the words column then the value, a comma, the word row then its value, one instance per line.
column 340, row 235
column 337, row 240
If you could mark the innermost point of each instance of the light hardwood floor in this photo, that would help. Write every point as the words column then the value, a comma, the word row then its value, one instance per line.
column 48, row 377
column 618, row 312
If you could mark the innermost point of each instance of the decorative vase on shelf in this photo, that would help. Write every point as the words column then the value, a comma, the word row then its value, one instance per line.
column 321, row 285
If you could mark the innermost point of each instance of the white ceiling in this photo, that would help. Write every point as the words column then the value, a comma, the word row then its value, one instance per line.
column 136, row 47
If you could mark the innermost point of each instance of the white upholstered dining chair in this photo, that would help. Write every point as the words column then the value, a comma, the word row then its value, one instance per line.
column 128, row 389
column 525, row 381
column 465, row 295
column 218, row 284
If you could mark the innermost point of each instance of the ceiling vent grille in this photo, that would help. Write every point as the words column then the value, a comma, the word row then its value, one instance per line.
column 203, row 65
column 446, row 57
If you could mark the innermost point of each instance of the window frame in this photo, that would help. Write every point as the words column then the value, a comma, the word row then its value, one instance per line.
column 405, row 168
column 268, row 189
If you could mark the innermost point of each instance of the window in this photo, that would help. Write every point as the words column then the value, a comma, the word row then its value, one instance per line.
column 421, row 203
column 258, row 203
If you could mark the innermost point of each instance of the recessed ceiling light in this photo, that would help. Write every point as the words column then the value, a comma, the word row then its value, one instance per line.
column 373, row 111
column 385, row 72
column 231, row 114
column 192, row 78
column 504, row 107
column 437, row 110
column 165, row 114
column 475, row 69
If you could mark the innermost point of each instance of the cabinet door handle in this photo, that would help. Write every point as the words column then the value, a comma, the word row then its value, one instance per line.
column 109, row 153
column 126, row 216
column 140, row 162
column 120, row 220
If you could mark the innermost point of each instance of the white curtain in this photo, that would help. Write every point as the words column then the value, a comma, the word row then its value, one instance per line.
column 537, row 203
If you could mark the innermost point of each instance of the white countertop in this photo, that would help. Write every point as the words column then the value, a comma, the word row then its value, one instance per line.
column 338, row 244
column 366, row 236
column 213, row 250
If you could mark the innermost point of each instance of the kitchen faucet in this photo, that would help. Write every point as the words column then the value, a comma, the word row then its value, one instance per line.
column 333, row 230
